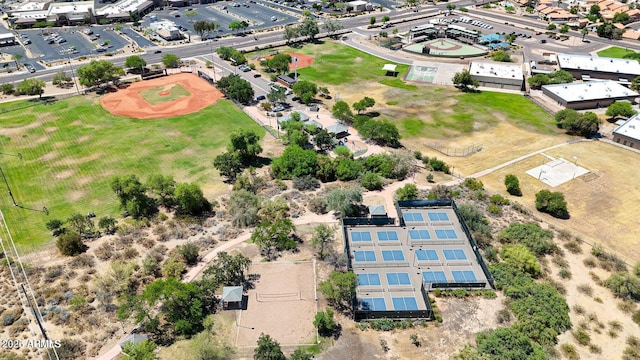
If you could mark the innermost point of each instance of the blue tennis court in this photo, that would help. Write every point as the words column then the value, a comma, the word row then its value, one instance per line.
column 392, row 255
column 434, row 277
column 412, row 217
column 360, row 236
column 464, row 276
column 398, row 279
column 368, row 279
column 446, row 234
column 387, row 235
column 454, row 254
column 426, row 255
column 438, row 216
column 404, row 303
column 366, row 255
column 376, row 304
column 419, row 235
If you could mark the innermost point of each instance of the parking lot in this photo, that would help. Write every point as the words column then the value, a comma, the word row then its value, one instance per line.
column 75, row 42
column 223, row 13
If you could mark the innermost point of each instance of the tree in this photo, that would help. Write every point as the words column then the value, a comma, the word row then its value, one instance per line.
column 331, row 25
column 203, row 27
column 301, row 354
column 235, row 25
column 227, row 270
column 276, row 208
column 290, row 32
column 228, row 164
column 340, row 288
column 622, row 109
column 55, row 226
column 346, row 200
column 268, row 349
column 575, row 123
column 164, row 187
column 306, row 90
column 60, row 78
column 236, row 88
column 407, row 192
column 274, row 237
column 519, row 257
column 16, row 58
column 552, row 203
column 584, row 31
column 609, row 31
column 324, row 140
column 382, row 132
column 276, row 95
column 324, row 322
column 135, row 62
column 512, row 184
column 348, row 169
column 464, row 81
column 342, row 112
column 309, row 28
column 131, row 194
column 279, row 63
column 82, row 225
column 594, row 10
column 538, row 80
column 363, row 104
column 295, row 162
column 143, row 350
column 70, row 244
column 322, row 239
column 99, row 72
column 108, row 225
column 190, row 200
column 501, row 56
column 635, row 83
column 385, row 19
column 189, row 253
column 171, row 60
column 31, row 86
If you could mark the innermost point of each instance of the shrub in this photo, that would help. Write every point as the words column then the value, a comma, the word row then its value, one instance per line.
column 552, row 203
column 498, row 199
column 512, row 183
column 624, row 285
column 407, row 192
column 473, row 184
column 494, row 209
column 306, row 182
column 581, row 336
column 573, row 247
column 564, row 273
column 531, row 235
column 70, row 244
column 371, row 181
column 585, row 289
column 569, row 351
column 382, row 324
column 318, row 205
column 189, row 253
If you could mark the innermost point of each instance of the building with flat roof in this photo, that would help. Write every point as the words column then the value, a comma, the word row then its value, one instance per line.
column 588, row 95
column 498, row 75
column 587, row 67
column 628, row 133
column 397, row 265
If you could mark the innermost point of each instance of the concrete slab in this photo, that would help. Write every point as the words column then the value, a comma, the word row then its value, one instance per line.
column 557, row 172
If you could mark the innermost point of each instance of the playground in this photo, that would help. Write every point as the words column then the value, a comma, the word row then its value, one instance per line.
column 447, row 48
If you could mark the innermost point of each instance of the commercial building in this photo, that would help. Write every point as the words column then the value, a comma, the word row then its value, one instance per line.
column 628, row 133
column 166, row 30
column 587, row 67
column 497, row 75
column 398, row 264
column 588, row 95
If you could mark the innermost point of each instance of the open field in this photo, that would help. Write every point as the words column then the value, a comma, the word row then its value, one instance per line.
column 72, row 147
column 615, row 52
column 160, row 94
column 602, row 206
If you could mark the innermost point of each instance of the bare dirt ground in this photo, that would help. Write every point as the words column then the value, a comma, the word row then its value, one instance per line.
column 282, row 304
column 129, row 103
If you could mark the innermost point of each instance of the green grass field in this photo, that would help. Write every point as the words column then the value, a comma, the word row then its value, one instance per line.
column 422, row 111
column 73, row 147
column 336, row 64
column 152, row 96
column 616, row 52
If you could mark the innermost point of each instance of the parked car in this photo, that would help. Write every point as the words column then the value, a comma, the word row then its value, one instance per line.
column 30, row 68
column 260, row 97
column 26, row 42
column 87, row 31
column 257, row 75
column 157, row 51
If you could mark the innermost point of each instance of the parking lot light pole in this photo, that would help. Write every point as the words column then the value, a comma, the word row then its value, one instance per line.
column 213, row 61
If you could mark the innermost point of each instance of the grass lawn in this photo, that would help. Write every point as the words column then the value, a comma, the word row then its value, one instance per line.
column 152, row 96
column 419, row 111
column 616, row 52
column 73, row 147
column 336, row 64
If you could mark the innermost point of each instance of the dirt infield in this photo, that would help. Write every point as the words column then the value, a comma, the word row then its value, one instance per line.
column 303, row 60
column 128, row 102
column 282, row 304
